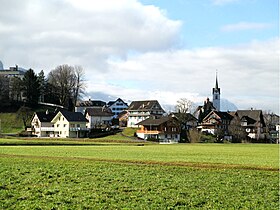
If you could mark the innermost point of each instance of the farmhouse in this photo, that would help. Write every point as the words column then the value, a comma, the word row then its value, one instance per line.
column 69, row 124
column 252, row 121
column 216, row 123
column 164, row 129
column 141, row 110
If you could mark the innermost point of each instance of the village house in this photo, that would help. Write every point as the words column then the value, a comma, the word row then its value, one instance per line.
column 41, row 125
column 70, row 124
column 252, row 122
column 99, row 117
column 216, row 123
column 81, row 106
column 141, row 110
column 117, row 106
column 163, row 129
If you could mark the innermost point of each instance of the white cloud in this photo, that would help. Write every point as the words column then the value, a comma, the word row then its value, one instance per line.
column 241, row 26
column 81, row 31
column 246, row 73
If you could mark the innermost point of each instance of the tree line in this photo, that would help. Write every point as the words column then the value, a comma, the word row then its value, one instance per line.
column 63, row 85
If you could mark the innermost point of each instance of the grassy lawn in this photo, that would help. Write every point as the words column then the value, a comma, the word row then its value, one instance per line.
column 10, row 123
column 114, row 176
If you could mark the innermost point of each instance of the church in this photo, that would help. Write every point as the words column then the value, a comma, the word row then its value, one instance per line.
column 208, row 106
column 210, row 118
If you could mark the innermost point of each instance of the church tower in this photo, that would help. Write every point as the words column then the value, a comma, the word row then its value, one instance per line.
column 216, row 95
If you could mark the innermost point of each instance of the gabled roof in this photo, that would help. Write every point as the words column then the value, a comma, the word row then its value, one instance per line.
column 145, row 105
column 155, row 121
column 90, row 103
column 251, row 116
column 99, row 111
column 186, row 116
column 220, row 115
column 110, row 103
column 45, row 116
column 71, row 116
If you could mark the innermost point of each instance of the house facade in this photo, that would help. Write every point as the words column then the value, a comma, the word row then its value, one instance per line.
column 70, row 124
column 98, row 117
column 117, row 106
column 41, row 125
column 216, row 123
column 141, row 110
column 163, row 129
column 252, row 122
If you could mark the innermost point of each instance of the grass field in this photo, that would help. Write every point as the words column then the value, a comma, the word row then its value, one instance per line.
column 10, row 123
column 150, row 176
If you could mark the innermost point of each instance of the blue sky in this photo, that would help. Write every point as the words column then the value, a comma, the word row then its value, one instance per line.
column 203, row 21
column 152, row 49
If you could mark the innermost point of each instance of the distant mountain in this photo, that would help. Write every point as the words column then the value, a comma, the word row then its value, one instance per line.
column 226, row 105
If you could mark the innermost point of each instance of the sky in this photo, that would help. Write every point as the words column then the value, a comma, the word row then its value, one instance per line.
column 152, row 49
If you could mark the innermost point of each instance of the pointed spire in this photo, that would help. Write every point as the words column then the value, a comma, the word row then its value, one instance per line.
column 216, row 87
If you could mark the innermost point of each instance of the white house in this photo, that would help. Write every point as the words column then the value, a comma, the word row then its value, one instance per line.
column 117, row 106
column 41, row 124
column 98, row 117
column 141, row 110
column 70, row 124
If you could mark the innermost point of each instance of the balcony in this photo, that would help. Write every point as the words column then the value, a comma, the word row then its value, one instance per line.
column 152, row 132
column 79, row 129
column 47, row 128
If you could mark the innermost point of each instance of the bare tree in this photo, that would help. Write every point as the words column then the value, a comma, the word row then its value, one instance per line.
column 79, row 88
column 183, row 105
column 68, row 82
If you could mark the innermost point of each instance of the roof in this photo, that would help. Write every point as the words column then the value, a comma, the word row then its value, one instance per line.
column 110, row 103
column 72, row 116
column 186, row 116
column 45, row 116
column 221, row 115
column 99, row 111
column 224, row 115
column 144, row 105
column 91, row 103
column 251, row 116
column 155, row 121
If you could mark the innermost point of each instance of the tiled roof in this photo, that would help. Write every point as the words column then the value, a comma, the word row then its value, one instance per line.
column 99, row 111
column 251, row 116
column 73, row 116
column 90, row 103
column 144, row 105
column 45, row 116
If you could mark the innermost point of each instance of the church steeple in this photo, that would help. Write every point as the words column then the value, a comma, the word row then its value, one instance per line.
column 216, row 94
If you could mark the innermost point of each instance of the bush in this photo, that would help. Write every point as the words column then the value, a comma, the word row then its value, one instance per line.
column 195, row 136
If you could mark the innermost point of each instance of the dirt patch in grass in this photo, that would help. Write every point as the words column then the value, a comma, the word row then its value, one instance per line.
column 140, row 162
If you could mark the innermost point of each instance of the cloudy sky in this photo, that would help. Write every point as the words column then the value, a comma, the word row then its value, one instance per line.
column 151, row 49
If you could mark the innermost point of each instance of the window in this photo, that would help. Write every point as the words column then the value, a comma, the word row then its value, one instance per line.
column 78, row 125
column 57, row 125
column 64, row 125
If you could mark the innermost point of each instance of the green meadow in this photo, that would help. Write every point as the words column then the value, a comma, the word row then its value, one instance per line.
column 139, row 176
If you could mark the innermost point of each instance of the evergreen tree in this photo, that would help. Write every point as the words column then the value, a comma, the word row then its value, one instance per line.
column 42, row 86
column 31, row 87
